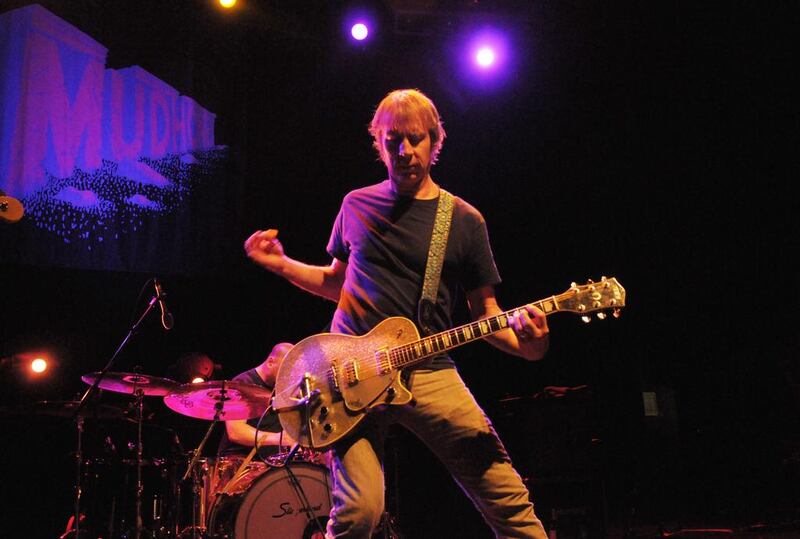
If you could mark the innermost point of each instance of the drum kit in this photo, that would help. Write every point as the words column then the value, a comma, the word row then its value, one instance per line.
column 285, row 496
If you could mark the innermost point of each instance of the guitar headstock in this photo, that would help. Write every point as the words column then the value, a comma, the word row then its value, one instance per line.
column 591, row 297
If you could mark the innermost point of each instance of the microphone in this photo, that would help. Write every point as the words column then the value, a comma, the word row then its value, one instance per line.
column 167, row 322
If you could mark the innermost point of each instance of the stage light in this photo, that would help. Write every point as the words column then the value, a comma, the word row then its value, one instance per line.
column 485, row 57
column 39, row 365
column 31, row 366
column 194, row 368
column 227, row 4
column 359, row 24
column 359, row 31
column 488, row 48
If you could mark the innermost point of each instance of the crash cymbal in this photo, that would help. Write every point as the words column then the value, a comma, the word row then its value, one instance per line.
column 63, row 409
column 240, row 401
column 129, row 382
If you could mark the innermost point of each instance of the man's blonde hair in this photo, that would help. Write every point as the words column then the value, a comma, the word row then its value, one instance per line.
column 404, row 109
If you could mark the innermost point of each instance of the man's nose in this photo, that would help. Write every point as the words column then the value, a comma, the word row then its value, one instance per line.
column 404, row 148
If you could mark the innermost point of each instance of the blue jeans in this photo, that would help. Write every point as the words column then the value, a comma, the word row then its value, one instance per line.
column 445, row 416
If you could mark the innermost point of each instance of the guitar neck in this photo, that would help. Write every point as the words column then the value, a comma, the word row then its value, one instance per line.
column 418, row 351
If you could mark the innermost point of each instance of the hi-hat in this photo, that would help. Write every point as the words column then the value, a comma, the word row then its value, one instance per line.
column 130, row 382
column 238, row 400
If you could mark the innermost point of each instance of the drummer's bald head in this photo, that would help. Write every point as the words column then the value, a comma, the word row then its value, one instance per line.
column 269, row 369
column 280, row 350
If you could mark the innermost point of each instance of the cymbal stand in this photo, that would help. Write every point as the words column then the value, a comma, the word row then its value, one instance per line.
column 139, row 488
column 219, row 407
column 79, row 418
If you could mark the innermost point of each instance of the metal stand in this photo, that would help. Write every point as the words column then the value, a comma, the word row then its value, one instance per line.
column 139, row 488
column 79, row 421
column 219, row 407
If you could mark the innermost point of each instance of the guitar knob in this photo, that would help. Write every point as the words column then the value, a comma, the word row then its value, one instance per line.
column 323, row 411
column 327, row 427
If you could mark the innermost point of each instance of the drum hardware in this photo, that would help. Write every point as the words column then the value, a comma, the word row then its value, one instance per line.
column 138, row 385
column 216, row 401
column 63, row 409
column 97, row 381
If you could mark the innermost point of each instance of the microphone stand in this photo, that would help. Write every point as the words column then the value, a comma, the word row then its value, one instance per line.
column 78, row 417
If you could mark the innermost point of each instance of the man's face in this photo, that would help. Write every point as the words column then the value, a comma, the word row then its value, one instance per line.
column 274, row 362
column 407, row 155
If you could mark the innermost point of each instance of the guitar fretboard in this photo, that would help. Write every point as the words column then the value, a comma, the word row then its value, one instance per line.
column 408, row 354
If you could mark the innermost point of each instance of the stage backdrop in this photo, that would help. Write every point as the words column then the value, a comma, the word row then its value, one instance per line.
column 113, row 167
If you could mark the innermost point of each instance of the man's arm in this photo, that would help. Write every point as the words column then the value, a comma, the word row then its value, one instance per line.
column 528, row 334
column 264, row 248
column 241, row 433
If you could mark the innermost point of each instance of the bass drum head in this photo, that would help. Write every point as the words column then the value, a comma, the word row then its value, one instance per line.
column 284, row 503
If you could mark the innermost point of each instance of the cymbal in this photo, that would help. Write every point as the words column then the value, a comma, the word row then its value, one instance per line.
column 64, row 409
column 241, row 400
column 129, row 382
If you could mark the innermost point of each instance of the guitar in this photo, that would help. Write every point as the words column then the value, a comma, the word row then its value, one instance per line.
column 11, row 209
column 329, row 382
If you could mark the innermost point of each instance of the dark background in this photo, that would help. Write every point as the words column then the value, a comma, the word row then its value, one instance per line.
column 654, row 142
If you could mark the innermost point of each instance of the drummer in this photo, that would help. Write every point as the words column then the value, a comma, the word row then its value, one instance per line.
column 240, row 435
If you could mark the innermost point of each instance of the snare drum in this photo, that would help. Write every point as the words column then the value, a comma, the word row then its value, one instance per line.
column 292, row 502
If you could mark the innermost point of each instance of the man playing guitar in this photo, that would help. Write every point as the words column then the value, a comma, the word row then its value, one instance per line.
column 379, row 247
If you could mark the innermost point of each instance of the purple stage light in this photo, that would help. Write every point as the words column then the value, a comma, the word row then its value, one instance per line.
column 360, row 25
column 359, row 31
column 485, row 57
column 488, row 48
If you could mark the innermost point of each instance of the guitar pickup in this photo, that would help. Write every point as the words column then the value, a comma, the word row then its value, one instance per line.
column 382, row 363
column 350, row 372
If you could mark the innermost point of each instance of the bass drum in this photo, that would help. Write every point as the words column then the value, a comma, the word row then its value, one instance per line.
column 292, row 502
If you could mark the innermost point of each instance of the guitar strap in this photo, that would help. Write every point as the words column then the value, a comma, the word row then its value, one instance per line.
column 433, row 269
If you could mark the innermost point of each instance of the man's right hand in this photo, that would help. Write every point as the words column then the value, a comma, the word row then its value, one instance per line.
column 264, row 248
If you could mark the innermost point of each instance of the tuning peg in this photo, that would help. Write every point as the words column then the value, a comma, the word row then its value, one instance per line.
column 616, row 313
column 586, row 319
column 573, row 285
column 601, row 315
